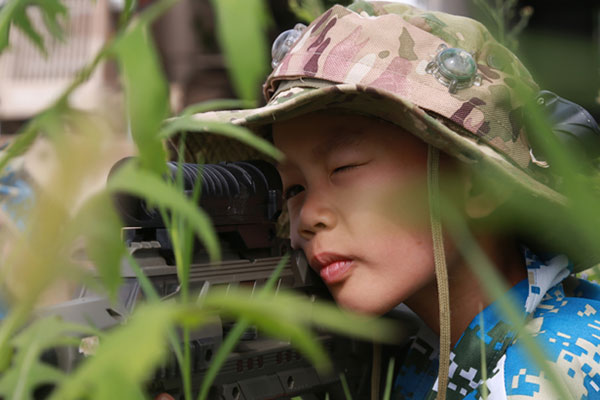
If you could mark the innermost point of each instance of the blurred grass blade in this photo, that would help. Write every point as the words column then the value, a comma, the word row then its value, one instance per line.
column 241, row 28
column 389, row 380
column 101, row 226
column 496, row 287
column 153, row 297
column 154, row 11
column 28, row 370
column 20, row 144
column 156, row 191
column 328, row 316
column 306, row 10
column 145, row 283
column 146, row 94
column 581, row 189
column 270, row 307
column 6, row 15
column 484, row 388
column 182, row 238
column 345, row 387
column 119, row 388
column 219, row 359
column 301, row 337
column 131, row 352
column 22, row 387
column 236, row 333
column 128, row 9
column 244, row 135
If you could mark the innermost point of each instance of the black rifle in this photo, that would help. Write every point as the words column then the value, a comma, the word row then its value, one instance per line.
column 243, row 200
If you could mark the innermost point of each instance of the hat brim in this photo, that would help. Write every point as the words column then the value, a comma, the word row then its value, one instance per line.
column 432, row 129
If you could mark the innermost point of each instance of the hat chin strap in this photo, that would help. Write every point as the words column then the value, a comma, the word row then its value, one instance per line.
column 441, row 271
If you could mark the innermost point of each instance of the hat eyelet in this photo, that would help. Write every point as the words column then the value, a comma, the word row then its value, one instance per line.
column 454, row 68
column 284, row 42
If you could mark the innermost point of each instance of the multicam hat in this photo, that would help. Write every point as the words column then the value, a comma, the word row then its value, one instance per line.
column 441, row 77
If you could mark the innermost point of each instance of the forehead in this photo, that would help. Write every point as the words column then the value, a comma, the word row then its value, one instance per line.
column 314, row 136
column 319, row 133
column 329, row 128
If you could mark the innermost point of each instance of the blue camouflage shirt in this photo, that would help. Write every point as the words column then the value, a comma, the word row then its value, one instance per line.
column 16, row 201
column 563, row 315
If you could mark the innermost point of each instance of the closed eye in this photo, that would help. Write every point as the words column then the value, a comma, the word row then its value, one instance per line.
column 348, row 167
column 344, row 168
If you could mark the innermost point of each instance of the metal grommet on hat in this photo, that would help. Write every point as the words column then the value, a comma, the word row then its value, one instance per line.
column 455, row 68
column 284, row 42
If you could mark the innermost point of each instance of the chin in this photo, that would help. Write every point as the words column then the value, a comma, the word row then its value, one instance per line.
column 362, row 305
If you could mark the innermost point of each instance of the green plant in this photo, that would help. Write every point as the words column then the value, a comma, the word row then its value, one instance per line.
column 504, row 19
column 63, row 218
column 65, row 221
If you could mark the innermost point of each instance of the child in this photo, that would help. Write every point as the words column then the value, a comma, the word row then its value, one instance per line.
column 360, row 102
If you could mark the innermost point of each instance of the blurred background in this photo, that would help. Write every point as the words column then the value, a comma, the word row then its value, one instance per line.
column 558, row 40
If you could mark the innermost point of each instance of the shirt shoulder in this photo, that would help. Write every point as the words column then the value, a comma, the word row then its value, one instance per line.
column 568, row 330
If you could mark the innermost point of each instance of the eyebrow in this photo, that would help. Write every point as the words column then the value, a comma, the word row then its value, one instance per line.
column 353, row 137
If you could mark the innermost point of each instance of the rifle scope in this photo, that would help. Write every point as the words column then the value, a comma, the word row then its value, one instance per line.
column 231, row 193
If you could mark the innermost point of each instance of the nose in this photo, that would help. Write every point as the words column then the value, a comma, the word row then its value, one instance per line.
column 316, row 214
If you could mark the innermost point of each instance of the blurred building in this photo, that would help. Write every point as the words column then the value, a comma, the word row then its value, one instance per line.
column 31, row 80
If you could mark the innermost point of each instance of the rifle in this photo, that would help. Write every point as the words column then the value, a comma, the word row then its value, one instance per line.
column 243, row 200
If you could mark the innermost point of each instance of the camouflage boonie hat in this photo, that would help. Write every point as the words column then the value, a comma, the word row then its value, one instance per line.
column 377, row 58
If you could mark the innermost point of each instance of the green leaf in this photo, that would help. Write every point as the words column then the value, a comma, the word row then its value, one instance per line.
column 306, row 10
column 495, row 286
column 50, row 332
column 118, row 387
column 128, row 9
column 155, row 190
column 239, row 301
column 244, row 135
column 389, row 381
column 241, row 27
column 130, row 352
column 146, row 93
column 27, row 370
column 15, row 386
column 25, row 26
column 15, row 12
column 98, row 223
column 345, row 387
column 20, row 145
column 52, row 10
column 270, row 312
column 6, row 13
column 236, row 333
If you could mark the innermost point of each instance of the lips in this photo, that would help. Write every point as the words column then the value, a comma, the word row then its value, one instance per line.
column 332, row 267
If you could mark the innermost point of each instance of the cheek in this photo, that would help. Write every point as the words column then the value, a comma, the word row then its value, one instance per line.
column 397, row 268
column 400, row 199
column 293, row 224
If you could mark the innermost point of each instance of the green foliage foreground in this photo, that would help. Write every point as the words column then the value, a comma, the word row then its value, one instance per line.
column 61, row 223
column 65, row 220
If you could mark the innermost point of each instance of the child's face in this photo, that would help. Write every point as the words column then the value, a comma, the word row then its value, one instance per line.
column 357, row 203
